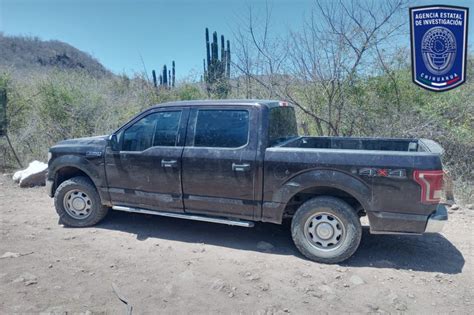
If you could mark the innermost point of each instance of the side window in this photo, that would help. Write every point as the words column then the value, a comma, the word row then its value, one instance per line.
column 221, row 128
column 166, row 131
column 157, row 129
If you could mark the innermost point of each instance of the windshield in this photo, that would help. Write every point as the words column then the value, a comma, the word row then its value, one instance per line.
column 282, row 125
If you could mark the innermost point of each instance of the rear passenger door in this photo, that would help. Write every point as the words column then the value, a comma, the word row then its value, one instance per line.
column 219, row 162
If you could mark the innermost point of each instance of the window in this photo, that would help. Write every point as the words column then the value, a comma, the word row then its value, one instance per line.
column 157, row 129
column 282, row 125
column 166, row 130
column 221, row 128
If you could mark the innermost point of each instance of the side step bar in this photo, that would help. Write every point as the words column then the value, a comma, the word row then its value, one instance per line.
column 186, row 216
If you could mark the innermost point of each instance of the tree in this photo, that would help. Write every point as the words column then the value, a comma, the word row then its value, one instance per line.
column 321, row 68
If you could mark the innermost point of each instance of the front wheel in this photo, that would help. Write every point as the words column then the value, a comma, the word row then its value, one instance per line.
column 78, row 203
column 326, row 230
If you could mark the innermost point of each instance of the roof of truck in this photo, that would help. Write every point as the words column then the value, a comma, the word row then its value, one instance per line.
column 243, row 102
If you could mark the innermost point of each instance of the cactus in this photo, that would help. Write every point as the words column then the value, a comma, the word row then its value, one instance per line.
column 173, row 73
column 167, row 77
column 217, row 71
column 153, row 73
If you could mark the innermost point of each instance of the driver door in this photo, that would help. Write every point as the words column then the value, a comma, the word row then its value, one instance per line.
column 146, row 172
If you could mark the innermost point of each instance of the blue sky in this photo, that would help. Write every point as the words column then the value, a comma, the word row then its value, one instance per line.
column 120, row 33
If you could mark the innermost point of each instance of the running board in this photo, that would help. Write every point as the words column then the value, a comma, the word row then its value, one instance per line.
column 186, row 216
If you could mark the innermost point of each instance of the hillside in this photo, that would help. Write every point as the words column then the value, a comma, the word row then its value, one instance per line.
column 31, row 53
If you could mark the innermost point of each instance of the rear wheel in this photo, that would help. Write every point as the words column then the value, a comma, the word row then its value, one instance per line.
column 78, row 203
column 326, row 229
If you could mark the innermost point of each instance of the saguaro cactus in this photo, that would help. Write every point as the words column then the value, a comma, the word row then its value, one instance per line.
column 153, row 74
column 217, row 70
column 166, row 78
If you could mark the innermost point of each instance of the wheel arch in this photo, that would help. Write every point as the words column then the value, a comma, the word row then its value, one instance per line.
column 323, row 182
column 68, row 166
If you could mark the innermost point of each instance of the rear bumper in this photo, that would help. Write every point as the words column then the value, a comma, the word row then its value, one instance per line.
column 49, row 187
column 403, row 223
column 437, row 220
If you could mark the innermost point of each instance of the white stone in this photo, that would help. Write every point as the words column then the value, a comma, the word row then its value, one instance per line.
column 33, row 175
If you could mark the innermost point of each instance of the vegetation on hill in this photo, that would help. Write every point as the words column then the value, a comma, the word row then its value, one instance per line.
column 31, row 53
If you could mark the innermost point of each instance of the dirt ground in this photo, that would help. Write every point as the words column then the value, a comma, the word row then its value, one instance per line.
column 165, row 265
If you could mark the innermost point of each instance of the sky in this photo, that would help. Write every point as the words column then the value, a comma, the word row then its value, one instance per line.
column 129, row 36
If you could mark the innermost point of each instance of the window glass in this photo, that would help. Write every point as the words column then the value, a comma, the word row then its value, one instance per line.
column 166, row 131
column 157, row 129
column 282, row 124
column 221, row 128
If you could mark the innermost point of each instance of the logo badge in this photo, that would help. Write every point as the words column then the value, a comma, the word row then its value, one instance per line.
column 438, row 46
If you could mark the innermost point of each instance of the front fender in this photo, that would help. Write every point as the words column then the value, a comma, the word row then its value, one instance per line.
column 75, row 161
column 92, row 167
column 273, row 209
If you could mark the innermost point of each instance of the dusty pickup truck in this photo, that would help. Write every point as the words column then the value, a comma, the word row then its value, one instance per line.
column 240, row 161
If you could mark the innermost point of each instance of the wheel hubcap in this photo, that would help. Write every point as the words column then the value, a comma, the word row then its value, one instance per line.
column 77, row 204
column 324, row 231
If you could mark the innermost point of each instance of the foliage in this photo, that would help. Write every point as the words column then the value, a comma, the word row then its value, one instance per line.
column 27, row 53
column 46, row 107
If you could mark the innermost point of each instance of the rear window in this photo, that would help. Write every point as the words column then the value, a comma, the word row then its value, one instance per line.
column 221, row 128
column 282, row 124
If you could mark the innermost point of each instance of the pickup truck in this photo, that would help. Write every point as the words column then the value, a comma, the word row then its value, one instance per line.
column 240, row 161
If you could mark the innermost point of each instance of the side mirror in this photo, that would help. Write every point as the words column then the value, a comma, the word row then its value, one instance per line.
column 113, row 141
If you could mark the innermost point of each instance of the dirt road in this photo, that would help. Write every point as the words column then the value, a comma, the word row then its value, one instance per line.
column 176, row 266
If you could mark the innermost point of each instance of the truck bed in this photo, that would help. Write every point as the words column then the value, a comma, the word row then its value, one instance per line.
column 374, row 144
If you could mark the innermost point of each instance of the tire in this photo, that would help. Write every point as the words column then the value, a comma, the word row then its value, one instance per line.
column 78, row 203
column 326, row 230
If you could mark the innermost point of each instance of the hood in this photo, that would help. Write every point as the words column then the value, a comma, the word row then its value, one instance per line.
column 87, row 141
column 90, row 146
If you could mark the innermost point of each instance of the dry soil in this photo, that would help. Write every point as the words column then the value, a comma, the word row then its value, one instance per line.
column 165, row 265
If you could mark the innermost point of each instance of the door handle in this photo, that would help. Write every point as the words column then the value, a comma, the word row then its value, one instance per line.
column 169, row 163
column 240, row 167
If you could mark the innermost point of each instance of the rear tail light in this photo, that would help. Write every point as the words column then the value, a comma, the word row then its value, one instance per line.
column 431, row 183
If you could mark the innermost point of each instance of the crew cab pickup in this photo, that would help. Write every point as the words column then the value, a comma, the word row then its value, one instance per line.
column 240, row 161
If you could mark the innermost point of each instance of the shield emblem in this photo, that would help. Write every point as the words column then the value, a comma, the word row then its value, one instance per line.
column 438, row 46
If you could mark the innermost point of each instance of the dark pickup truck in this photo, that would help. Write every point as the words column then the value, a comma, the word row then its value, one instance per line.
column 240, row 161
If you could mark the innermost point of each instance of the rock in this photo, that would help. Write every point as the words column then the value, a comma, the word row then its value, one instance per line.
column 30, row 282
column 454, row 207
column 470, row 206
column 252, row 277
column 33, row 175
column 11, row 255
column 356, row 280
column 397, row 303
column 218, row 285
column 401, row 307
column 27, row 278
column 373, row 307
column 262, row 245
column 231, row 294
